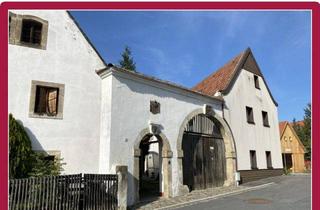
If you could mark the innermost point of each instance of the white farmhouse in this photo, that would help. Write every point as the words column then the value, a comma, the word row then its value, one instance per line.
column 97, row 116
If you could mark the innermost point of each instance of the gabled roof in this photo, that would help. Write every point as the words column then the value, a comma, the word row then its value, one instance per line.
column 223, row 79
column 282, row 128
column 86, row 37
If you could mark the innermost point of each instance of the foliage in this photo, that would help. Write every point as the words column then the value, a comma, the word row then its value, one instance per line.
column 45, row 167
column 304, row 132
column 127, row 60
column 23, row 161
column 20, row 150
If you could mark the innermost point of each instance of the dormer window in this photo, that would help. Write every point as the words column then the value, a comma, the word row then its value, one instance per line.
column 256, row 81
column 28, row 31
column 31, row 31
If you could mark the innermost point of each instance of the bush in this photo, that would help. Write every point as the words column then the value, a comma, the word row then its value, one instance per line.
column 20, row 150
column 23, row 161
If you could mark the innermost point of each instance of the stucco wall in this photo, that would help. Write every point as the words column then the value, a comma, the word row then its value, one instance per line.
column 70, row 60
column 130, row 115
column 253, row 136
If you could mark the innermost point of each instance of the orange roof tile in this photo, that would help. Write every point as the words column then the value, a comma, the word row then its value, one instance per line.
column 282, row 126
column 220, row 79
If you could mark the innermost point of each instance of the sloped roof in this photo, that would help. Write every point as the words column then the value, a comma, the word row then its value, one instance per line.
column 220, row 79
column 86, row 37
column 223, row 79
column 282, row 127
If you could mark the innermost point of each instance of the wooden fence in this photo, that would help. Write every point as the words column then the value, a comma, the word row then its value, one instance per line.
column 67, row 192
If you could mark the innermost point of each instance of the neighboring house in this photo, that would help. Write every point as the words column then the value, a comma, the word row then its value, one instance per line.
column 97, row 116
column 251, row 112
column 292, row 148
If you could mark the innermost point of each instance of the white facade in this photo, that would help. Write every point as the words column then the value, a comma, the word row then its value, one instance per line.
column 252, row 136
column 105, row 114
column 130, row 114
column 70, row 60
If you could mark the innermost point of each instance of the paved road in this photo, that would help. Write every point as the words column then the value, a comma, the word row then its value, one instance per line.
column 288, row 193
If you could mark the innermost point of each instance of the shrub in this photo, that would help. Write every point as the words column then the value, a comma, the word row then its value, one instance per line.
column 23, row 161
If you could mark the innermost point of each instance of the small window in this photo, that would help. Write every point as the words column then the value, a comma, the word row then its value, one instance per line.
column 253, row 159
column 256, row 81
column 290, row 138
column 46, row 100
column 268, row 157
column 249, row 112
column 28, row 31
column 31, row 31
column 265, row 119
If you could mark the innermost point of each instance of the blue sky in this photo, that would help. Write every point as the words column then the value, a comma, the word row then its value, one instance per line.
column 186, row 46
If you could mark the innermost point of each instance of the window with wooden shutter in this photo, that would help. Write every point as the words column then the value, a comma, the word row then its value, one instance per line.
column 46, row 100
column 52, row 101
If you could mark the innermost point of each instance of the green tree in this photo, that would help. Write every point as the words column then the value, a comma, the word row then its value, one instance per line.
column 23, row 161
column 20, row 150
column 127, row 60
column 304, row 132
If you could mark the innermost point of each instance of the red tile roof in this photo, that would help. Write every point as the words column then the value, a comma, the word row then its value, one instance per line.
column 300, row 123
column 282, row 126
column 220, row 79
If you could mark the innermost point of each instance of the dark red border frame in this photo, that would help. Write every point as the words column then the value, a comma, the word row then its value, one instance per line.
column 313, row 6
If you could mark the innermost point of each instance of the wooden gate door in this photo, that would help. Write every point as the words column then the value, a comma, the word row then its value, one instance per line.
column 203, row 162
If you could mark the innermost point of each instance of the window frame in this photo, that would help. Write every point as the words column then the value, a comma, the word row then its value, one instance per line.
column 15, row 26
column 253, row 160
column 250, row 117
column 256, row 82
column 265, row 119
column 60, row 87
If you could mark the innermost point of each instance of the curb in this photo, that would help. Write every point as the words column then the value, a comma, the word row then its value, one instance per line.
column 215, row 197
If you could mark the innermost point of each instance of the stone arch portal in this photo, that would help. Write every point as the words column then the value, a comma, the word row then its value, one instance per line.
column 166, row 155
column 229, row 149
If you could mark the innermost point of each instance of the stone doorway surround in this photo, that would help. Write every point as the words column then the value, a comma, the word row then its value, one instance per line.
column 166, row 155
column 230, row 149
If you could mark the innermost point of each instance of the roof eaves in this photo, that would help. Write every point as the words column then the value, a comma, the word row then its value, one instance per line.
column 111, row 68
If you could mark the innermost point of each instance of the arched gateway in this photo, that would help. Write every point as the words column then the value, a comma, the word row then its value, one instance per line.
column 206, row 152
column 141, row 147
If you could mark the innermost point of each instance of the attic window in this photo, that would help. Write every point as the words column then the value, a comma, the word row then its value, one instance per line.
column 28, row 31
column 249, row 112
column 265, row 119
column 256, row 81
column 31, row 32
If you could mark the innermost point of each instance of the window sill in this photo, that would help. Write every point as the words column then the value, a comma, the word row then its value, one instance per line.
column 270, row 167
column 250, row 122
column 268, row 126
column 254, row 168
column 44, row 116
